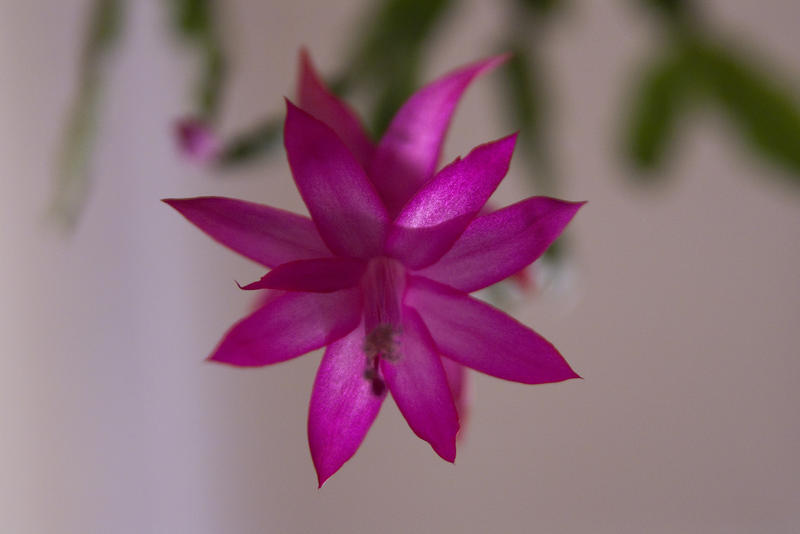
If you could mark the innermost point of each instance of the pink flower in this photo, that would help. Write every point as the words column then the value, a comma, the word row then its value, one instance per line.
column 196, row 140
column 380, row 273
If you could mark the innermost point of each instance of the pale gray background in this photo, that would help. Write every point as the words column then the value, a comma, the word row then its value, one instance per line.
column 681, row 310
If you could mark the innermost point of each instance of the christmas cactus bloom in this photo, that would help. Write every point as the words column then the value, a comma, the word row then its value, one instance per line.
column 381, row 272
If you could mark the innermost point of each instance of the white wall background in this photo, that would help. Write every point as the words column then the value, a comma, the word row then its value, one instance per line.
column 682, row 318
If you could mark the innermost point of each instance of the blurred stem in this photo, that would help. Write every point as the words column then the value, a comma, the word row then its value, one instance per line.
column 198, row 22
column 528, row 98
column 72, row 185
column 766, row 115
column 674, row 10
column 397, row 87
column 527, row 108
column 212, row 80
column 386, row 59
column 259, row 140
column 659, row 102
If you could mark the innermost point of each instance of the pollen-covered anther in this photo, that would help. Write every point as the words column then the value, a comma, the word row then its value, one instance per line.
column 381, row 342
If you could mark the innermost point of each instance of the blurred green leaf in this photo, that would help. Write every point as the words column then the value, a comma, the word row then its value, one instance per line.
column 197, row 22
column 258, row 141
column 396, row 89
column 211, row 83
column 387, row 58
column 399, row 27
column 72, row 179
column 527, row 105
column 659, row 100
column 682, row 18
column 192, row 18
column 525, row 102
column 673, row 8
column 105, row 26
column 542, row 7
column 528, row 101
column 767, row 114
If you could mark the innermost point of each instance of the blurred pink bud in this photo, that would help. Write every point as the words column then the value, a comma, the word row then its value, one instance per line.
column 196, row 140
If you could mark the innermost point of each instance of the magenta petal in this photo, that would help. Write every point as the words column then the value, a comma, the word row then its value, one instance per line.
column 289, row 326
column 457, row 381
column 343, row 203
column 484, row 338
column 433, row 220
column 419, row 386
column 343, row 405
column 317, row 100
column 502, row 243
column 408, row 153
column 321, row 275
column 267, row 235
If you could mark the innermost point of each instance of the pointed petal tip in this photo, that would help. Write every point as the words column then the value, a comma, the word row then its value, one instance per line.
column 572, row 208
column 249, row 287
column 503, row 147
column 322, row 478
column 305, row 63
column 562, row 375
column 510, row 139
column 503, row 57
column 216, row 359
column 212, row 358
column 491, row 62
column 290, row 106
column 505, row 143
column 180, row 204
column 569, row 374
column 291, row 111
column 448, row 454
column 303, row 53
column 447, row 449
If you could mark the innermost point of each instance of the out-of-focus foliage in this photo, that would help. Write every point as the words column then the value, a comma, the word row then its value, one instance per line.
column 542, row 7
column 766, row 115
column 693, row 69
column 252, row 143
column 197, row 21
column 528, row 102
column 697, row 69
column 660, row 99
column 386, row 59
column 72, row 177
column 674, row 10
column 527, row 108
column 389, row 54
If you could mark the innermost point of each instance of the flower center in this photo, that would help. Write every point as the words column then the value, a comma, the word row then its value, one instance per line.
column 383, row 284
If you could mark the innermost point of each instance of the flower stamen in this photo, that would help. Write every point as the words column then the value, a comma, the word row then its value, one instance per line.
column 381, row 342
column 383, row 285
